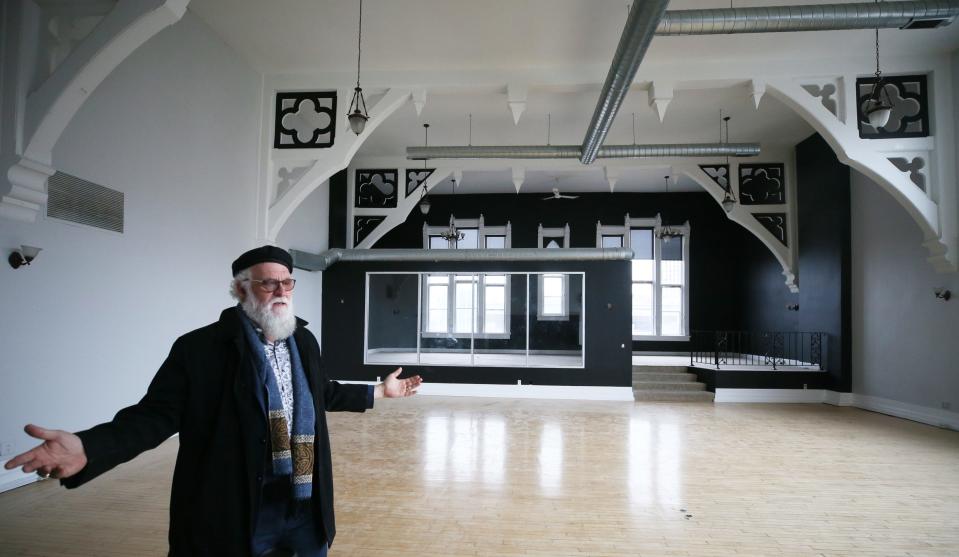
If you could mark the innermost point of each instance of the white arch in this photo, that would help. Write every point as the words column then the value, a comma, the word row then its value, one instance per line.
column 862, row 155
column 332, row 160
column 49, row 110
column 398, row 215
column 740, row 215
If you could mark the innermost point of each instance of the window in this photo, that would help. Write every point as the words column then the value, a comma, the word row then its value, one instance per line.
column 644, row 283
column 553, row 297
column 660, row 272
column 476, row 235
column 466, row 305
column 553, row 237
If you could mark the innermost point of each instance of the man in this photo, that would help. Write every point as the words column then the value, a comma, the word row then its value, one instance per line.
column 248, row 396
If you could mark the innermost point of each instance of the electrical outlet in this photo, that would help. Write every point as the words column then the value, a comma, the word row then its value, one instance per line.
column 946, row 405
column 6, row 449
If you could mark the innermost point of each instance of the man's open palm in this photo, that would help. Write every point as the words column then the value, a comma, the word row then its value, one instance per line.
column 61, row 454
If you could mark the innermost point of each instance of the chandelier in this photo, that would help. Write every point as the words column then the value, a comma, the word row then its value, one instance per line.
column 666, row 232
column 452, row 235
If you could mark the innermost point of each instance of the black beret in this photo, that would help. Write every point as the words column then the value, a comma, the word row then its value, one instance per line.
column 264, row 254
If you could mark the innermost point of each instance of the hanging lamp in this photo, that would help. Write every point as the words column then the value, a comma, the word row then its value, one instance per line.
column 357, row 111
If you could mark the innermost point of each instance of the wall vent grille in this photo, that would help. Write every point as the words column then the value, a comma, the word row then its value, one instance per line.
column 77, row 200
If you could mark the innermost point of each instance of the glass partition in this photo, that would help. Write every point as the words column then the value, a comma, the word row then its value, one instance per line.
column 391, row 318
column 475, row 319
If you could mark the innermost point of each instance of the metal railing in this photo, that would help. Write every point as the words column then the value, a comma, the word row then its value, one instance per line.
column 755, row 349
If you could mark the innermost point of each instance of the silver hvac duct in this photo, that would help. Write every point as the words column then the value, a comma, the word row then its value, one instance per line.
column 923, row 14
column 319, row 262
column 574, row 151
column 640, row 27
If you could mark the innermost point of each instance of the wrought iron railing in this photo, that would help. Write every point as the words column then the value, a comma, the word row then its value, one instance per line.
column 754, row 349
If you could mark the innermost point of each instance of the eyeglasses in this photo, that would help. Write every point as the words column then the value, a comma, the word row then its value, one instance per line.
column 270, row 285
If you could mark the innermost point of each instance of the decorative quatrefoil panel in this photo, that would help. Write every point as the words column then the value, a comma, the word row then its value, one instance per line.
column 415, row 177
column 913, row 167
column 375, row 188
column 719, row 174
column 305, row 120
column 908, row 95
column 775, row 223
column 825, row 93
column 762, row 184
column 362, row 226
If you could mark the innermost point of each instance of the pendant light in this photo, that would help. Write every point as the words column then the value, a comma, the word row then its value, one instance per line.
column 878, row 108
column 666, row 233
column 728, row 202
column 357, row 112
column 424, row 203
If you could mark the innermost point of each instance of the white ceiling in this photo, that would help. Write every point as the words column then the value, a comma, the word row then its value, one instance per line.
column 570, row 38
column 310, row 35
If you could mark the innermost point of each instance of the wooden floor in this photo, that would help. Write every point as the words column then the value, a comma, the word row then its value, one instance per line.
column 434, row 476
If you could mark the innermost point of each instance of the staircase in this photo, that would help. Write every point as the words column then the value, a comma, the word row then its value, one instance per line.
column 668, row 383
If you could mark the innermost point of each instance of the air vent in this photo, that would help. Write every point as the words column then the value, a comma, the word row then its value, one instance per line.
column 927, row 23
column 76, row 200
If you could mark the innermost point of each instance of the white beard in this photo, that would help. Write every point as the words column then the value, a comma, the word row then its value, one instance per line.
column 277, row 326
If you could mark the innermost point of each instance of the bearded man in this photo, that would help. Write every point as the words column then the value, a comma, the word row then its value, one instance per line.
column 248, row 396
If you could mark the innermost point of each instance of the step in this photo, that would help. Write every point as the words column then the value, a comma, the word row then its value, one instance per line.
column 661, row 369
column 673, row 396
column 668, row 386
column 656, row 376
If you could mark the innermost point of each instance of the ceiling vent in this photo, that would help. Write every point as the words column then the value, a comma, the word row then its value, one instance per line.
column 77, row 200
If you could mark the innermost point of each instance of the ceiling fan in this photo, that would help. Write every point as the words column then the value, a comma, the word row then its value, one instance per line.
column 557, row 195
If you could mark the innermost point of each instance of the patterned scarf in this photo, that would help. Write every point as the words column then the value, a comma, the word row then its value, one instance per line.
column 290, row 459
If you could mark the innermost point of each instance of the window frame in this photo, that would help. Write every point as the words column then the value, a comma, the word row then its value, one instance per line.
column 479, row 224
column 479, row 306
column 547, row 234
column 540, row 295
column 656, row 225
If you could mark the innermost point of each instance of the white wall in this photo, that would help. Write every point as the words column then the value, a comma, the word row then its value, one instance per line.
column 904, row 344
column 307, row 229
column 85, row 327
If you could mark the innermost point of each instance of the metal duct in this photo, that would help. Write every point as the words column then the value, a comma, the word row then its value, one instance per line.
column 318, row 262
column 639, row 30
column 824, row 17
column 574, row 151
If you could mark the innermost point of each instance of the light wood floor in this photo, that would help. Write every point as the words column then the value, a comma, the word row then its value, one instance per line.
column 433, row 476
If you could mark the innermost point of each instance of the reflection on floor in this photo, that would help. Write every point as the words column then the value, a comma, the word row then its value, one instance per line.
column 487, row 360
column 448, row 477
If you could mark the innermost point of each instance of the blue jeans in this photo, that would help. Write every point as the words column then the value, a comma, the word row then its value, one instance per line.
column 282, row 523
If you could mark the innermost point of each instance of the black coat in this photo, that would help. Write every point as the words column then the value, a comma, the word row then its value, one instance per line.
column 206, row 391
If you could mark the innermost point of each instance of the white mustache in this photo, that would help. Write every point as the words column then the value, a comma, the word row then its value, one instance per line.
column 283, row 300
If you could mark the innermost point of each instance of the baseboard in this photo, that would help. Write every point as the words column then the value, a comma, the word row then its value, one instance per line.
column 564, row 392
column 802, row 396
column 914, row 412
column 839, row 399
column 12, row 479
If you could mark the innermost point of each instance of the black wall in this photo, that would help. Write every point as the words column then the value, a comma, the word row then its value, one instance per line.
column 607, row 340
column 735, row 282
column 824, row 272
column 824, row 253
column 716, row 243
column 338, row 210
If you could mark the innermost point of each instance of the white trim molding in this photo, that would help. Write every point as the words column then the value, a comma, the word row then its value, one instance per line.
column 922, row 414
column 800, row 396
column 12, row 479
column 551, row 392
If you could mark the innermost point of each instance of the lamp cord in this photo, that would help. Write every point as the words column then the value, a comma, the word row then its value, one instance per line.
column 359, row 45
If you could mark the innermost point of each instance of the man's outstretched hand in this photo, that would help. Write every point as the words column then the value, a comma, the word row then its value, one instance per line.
column 394, row 387
column 61, row 454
